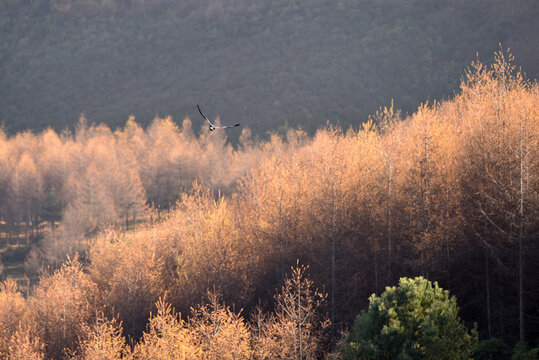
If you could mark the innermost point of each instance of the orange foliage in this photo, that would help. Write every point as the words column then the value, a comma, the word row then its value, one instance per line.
column 296, row 329
column 221, row 333
column 167, row 337
column 23, row 346
column 59, row 308
column 446, row 192
column 12, row 307
column 102, row 340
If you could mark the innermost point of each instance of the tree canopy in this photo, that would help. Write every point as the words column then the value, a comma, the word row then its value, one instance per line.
column 414, row 320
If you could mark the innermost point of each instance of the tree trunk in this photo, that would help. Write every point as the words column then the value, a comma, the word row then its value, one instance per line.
column 487, row 278
column 333, row 249
column 389, row 261
column 299, row 324
column 283, row 236
column 375, row 253
column 8, row 232
column 134, row 223
column 521, row 286
column 26, row 231
column 521, row 242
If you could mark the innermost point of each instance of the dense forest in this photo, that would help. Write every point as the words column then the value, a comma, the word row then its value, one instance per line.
column 167, row 243
column 270, row 64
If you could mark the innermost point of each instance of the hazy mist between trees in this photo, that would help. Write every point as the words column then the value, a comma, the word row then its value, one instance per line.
column 159, row 216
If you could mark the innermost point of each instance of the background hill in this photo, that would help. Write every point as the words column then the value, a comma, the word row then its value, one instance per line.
column 266, row 64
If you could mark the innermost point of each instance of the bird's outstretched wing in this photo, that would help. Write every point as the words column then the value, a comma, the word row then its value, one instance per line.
column 226, row 126
column 204, row 116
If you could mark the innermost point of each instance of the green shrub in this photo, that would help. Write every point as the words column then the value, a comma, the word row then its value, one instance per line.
column 492, row 349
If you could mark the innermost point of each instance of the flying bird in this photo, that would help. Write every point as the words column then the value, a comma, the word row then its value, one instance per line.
column 213, row 127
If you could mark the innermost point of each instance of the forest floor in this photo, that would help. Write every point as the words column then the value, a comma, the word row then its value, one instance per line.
column 12, row 258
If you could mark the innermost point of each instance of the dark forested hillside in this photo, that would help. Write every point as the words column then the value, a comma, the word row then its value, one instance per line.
column 262, row 63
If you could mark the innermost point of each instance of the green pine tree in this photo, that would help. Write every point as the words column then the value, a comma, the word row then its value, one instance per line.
column 415, row 320
column 52, row 208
